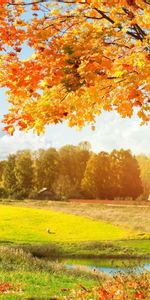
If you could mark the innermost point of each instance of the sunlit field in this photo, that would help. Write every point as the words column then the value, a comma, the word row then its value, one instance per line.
column 30, row 233
column 29, row 225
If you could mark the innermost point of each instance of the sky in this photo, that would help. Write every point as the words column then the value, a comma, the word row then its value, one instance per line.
column 112, row 132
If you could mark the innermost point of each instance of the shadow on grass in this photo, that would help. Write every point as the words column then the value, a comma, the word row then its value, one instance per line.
column 6, row 242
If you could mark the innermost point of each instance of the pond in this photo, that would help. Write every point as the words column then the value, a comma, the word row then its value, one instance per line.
column 110, row 266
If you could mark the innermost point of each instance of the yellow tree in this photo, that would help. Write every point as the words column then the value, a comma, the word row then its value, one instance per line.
column 87, row 55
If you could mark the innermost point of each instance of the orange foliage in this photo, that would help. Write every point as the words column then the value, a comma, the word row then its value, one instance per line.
column 120, row 287
column 88, row 55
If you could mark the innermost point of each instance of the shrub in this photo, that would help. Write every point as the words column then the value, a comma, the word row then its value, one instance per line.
column 3, row 193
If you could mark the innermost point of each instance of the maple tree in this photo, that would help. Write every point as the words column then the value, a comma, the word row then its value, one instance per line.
column 87, row 55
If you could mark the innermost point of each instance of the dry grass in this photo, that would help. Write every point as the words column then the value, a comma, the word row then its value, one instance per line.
column 133, row 217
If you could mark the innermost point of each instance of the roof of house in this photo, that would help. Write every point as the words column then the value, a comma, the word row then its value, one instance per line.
column 42, row 190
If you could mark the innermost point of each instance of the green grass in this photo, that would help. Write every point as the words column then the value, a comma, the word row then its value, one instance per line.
column 42, row 284
column 28, row 225
column 139, row 246
column 76, row 235
column 33, row 277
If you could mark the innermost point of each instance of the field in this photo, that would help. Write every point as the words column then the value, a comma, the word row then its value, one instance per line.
column 22, row 276
column 132, row 217
column 29, row 225
column 83, row 230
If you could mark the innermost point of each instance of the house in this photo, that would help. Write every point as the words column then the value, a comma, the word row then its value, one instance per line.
column 46, row 194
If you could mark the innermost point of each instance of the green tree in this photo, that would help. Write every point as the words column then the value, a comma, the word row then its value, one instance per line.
column 116, row 173
column 2, row 168
column 103, row 176
column 9, row 177
column 97, row 177
column 88, row 184
column 24, row 172
column 46, row 168
column 73, row 163
column 69, row 162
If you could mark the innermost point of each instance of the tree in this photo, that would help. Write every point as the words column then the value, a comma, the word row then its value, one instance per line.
column 23, row 172
column 73, row 163
column 63, row 187
column 116, row 169
column 87, row 56
column 97, row 177
column 2, row 168
column 9, row 177
column 85, row 146
column 3, row 193
column 103, row 178
column 112, row 175
column 144, row 164
column 88, row 184
column 125, row 174
column 69, row 167
column 46, row 168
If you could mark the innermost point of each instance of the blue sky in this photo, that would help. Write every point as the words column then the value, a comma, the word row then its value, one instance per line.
column 112, row 132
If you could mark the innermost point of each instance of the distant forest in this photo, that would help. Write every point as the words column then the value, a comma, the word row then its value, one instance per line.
column 75, row 172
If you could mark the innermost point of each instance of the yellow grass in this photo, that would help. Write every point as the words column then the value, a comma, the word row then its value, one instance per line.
column 29, row 225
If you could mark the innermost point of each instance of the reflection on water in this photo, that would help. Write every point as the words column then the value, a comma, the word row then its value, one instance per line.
column 110, row 266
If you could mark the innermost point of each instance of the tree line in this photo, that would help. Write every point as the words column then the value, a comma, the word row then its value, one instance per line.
column 74, row 172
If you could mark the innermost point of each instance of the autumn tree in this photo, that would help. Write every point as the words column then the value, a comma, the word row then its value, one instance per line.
column 86, row 56
column 112, row 175
column 144, row 164
column 131, row 185
column 126, row 181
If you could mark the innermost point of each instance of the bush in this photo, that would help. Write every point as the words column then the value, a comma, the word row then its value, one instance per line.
column 120, row 286
column 3, row 193
column 44, row 251
column 33, row 195
column 19, row 195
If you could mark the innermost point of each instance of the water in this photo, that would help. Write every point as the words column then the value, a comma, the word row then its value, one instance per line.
column 110, row 266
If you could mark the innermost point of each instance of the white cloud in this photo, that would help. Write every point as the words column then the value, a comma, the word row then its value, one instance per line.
column 112, row 132
column 115, row 132
column 21, row 141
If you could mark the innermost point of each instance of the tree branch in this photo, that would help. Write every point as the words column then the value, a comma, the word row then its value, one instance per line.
column 104, row 15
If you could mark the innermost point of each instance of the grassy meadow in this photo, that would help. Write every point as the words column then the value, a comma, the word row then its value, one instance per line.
column 133, row 217
column 75, row 231
column 29, row 225
column 33, row 278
